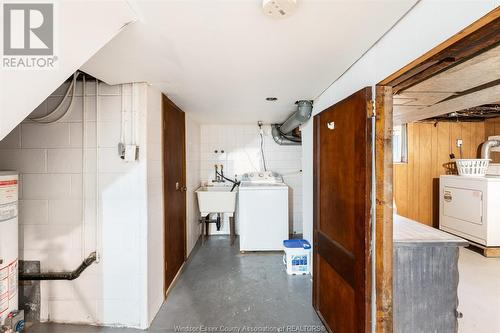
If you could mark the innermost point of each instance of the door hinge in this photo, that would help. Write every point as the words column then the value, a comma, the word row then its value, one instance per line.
column 370, row 109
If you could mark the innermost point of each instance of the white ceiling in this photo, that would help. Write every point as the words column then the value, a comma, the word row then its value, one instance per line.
column 219, row 60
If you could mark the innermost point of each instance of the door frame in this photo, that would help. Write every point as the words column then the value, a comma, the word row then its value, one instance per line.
column 166, row 287
column 467, row 43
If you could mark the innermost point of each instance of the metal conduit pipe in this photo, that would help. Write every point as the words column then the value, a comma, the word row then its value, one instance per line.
column 486, row 148
column 52, row 276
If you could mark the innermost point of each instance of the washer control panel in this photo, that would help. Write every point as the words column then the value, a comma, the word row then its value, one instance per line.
column 267, row 177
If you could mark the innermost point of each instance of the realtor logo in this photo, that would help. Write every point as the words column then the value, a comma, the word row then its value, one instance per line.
column 28, row 35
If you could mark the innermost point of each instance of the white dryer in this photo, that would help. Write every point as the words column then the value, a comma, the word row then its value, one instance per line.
column 469, row 208
column 263, row 212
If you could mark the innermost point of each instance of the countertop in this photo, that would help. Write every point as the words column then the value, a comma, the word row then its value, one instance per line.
column 409, row 232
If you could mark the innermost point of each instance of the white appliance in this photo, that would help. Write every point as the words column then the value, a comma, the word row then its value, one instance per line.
column 470, row 208
column 262, row 212
column 8, row 243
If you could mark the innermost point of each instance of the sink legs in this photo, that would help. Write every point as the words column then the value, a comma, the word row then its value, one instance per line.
column 232, row 229
column 218, row 222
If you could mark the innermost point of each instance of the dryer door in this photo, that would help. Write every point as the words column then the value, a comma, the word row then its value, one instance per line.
column 463, row 204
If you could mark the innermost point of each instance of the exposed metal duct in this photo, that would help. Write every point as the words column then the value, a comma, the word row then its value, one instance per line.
column 486, row 148
column 282, row 133
column 303, row 113
column 283, row 140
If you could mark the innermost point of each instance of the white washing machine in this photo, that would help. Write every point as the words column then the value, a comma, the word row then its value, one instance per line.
column 263, row 212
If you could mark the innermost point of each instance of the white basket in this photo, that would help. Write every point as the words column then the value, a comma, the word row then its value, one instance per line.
column 472, row 167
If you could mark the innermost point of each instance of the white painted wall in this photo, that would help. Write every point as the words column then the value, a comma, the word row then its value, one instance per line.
column 429, row 23
column 241, row 145
column 155, row 239
column 193, row 154
column 81, row 29
column 126, row 287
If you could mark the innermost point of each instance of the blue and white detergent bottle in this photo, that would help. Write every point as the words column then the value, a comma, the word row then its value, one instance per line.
column 297, row 256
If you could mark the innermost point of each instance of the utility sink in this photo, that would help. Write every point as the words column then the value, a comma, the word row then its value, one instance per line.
column 216, row 199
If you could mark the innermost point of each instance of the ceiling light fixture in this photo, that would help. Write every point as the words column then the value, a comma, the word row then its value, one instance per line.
column 271, row 99
column 279, row 8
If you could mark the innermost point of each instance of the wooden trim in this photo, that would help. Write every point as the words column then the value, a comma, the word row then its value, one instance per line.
column 383, row 217
column 164, row 238
column 316, row 207
column 337, row 257
column 174, row 281
column 475, row 38
column 184, row 184
column 487, row 251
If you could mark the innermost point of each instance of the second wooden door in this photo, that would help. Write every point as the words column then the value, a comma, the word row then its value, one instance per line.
column 174, row 165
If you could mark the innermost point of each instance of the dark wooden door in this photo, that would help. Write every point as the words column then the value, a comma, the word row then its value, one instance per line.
column 174, row 169
column 342, row 199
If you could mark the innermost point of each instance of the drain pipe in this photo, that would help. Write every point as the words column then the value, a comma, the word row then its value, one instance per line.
column 282, row 133
column 52, row 276
column 486, row 148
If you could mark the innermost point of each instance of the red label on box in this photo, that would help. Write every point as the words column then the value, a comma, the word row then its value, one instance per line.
column 8, row 182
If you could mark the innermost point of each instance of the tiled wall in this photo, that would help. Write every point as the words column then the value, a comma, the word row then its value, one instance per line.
column 49, row 158
column 193, row 152
column 241, row 146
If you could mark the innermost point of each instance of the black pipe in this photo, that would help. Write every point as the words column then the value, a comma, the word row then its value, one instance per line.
column 235, row 183
column 234, row 186
column 52, row 276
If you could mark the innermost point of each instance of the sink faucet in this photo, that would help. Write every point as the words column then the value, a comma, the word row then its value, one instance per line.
column 216, row 180
column 219, row 177
column 222, row 173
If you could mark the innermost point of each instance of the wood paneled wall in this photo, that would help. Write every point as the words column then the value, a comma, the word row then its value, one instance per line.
column 492, row 127
column 416, row 183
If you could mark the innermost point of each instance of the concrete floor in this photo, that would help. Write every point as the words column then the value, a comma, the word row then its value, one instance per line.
column 220, row 287
column 478, row 293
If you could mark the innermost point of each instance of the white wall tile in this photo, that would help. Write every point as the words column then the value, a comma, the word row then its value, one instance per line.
column 46, row 237
column 46, row 186
column 33, row 212
column 76, row 311
column 13, row 139
column 110, row 108
column 45, row 136
column 49, row 159
column 241, row 144
column 76, row 136
column 106, row 89
column 65, row 211
column 110, row 161
column 23, row 160
column 64, row 160
column 58, row 290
